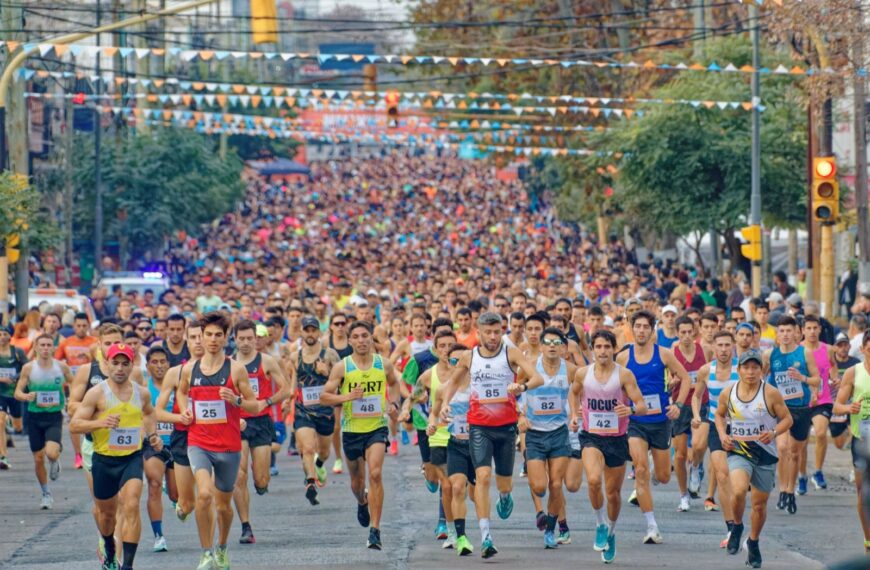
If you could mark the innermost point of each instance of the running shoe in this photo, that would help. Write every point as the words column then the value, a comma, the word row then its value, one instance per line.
column 610, row 552
column 374, row 541
column 273, row 471
column 802, row 485
column 601, row 535
column 321, row 474
column 182, row 516
column 450, row 541
column 405, row 439
column 694, row 481
column 432, row 486
column 416, row 438
column 684, row 505
column 160, row 544
column 724, row 542
column 4, row 463
column 53, row 470
column 710, row 504
column 221, row 558
column 362, row 514
column 463, row 546
column 292, row 452
column 247, row 536
column 101, row 550
column 47, row 502
column 867, row 547
column 337, row 467
column 113, row 565
column 631, row 473
column 394, row 447
column 564, row 537
column 701, row 471
column 632, row 499
column 311, row 494
column 77, row 463
column 792, row 504
column 819, row 481
column 550, row 540
column 541, row 521
column 653, row 536
column 753, row 553
column 734, row 539
column 206, row 561
column 441, row 530
column 783, row 501
column 505, row 506
column 488, row 549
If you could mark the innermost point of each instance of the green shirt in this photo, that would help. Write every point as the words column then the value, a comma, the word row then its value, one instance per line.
column 10, row 368
column 47, row 383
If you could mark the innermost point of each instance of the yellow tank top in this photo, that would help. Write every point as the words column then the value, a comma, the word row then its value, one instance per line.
column 125, row 439
column 441, row 435
column 366, row 414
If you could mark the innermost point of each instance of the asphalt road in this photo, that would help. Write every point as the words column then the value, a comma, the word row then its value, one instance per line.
column 291, row 533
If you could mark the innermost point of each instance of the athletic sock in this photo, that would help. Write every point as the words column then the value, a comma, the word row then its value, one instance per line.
column 272, row 460
column 503, row 496
column 551, row 522
column 563, row 525
column 729, row 525
column 309, row 481
column 129, row 552
column 600, row 516
column 650, row 519
column 459, row 525
column 318, row 462
column 109, row 546
column 44, row 488
column 157, row 528
column 441, row 515
column 246, row 526
column 484, row 529
column 612, row 525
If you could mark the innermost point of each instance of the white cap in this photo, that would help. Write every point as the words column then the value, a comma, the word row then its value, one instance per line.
column 371, row 292
column 775, row 297
column 670, row 309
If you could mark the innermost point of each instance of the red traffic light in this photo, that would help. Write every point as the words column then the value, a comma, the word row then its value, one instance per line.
column 78, row 99
column 392, row 98
column 825, row 167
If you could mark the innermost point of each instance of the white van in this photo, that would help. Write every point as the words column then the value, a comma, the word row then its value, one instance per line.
column 137, row 281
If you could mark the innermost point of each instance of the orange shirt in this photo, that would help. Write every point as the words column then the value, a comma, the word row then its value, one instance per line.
column 470, row 340
column 75, row 351
column 24, row 344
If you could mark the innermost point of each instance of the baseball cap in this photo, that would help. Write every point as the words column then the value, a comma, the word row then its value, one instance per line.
column 669, row 309
column 632, row 301
column 310, row 322
column 262, row 330
column 775, row 297
column 841, row 338
column 120, row 348
column 371, row 292
column 750, row 354
column 794, row 300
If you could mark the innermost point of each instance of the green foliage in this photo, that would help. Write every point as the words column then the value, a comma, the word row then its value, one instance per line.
column 22, row 213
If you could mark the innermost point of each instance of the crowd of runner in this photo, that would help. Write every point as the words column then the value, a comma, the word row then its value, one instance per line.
column 414, row 299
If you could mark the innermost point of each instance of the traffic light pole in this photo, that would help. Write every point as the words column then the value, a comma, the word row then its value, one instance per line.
column 755, row 196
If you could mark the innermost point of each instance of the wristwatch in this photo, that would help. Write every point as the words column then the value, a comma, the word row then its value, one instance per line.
column 238, row 401
column 525, row 387
column 269, row 401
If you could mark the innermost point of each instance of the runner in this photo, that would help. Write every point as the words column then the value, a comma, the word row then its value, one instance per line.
column 749, row 417
column 709, row 326
column 12, row 360
column 467, row 334
column 713, row 378
column 667, row 335
column 651, row 432
column 516, row 333
column 605, row 392
column 544, row 419
column 174, row 344
column 313, row 423
column 116, row 414
column 75, row 351
column 217, row 388
column 41, row 384
column 338, row 341
column 855, row 387
column 359, row 383
column 794, row 373
column 492, row 416
column 839, row 422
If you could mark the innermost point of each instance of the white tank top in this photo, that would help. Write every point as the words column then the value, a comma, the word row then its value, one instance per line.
column 748, row 420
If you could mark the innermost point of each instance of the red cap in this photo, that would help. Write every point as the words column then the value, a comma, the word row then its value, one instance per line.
column 120, row 348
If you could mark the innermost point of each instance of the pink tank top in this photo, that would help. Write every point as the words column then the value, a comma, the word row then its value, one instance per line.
column 599, row 404
column 824, row 365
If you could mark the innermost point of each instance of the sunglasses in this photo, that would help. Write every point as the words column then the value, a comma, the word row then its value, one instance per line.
column 551, row 342
column 340, row 324
column 143, row 328
column 453, row 361
column 501, row 306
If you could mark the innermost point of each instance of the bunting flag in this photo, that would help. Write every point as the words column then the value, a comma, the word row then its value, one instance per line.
column 188, row 56
column 428, row 99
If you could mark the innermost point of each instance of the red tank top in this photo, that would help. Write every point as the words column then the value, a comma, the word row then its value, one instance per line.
column 175, row 410
column 260, row 384
column 216, row 423
column 692, row 368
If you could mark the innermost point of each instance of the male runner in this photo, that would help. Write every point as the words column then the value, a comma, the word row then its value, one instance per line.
column 467, row 334
column 158, row 462
column 217, row 387
column 492, row 416
column 269, row 385
column 12, row 360
column 174, row 344
column 749, row 417
column 605, row 391
column 41, row 385
column 714, row 377
column 516, row 332
column 821, row 408
column 856, row 387
column 115, row 414
column 313, row 423
column 666, row 335
column 839, row 422
column 544, row 419
column 651, row 431
column 794, row 373
column 75, row 351
column 708, row 327
column 338, row 341
column 359, row 383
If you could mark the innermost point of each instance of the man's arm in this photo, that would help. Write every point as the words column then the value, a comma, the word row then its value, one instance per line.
column 149, row 419
column 77, row 388
column 632, row 390
column 83, row 422
column 397, row 389
column 532, row 378
column 679, row 371
column 330, row 396
column 813, row 379
column 399, row 352
column 700, row 388
column 780, row 410
column 274, row 371
column 847, row 385
column 249, row 402
column 451, row 384
column 575, row 396
column 23, row 380
column 721, row 422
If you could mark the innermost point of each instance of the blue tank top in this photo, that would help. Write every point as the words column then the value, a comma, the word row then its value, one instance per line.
column 652, row 381
column 665, row 341
column 715, row 387
column 547, row 405
column 795, row 393
column 164, row 429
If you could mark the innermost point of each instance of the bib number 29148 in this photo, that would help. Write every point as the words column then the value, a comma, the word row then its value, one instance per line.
column 210, row 411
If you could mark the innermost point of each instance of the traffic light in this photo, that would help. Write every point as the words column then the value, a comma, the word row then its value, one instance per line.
column 751, row 250
column 13, row 241
column 264, row 22
column 392, row 101
column 826, row 190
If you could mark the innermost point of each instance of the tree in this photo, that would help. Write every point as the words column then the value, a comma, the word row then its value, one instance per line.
column 22, row 214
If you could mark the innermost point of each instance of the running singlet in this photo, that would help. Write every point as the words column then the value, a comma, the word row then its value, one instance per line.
column 715, row 387
column 547, row 405
column 260, row 384
column 366, row 414
column 665, row 341
column 47, row 384
column 841, row 369
column 458, row 426
column 342, row 352
column 823, row 363
column 309, row 387
column 652, row 381
column 490, row 404
column 599, row 404
column 164, row 429
column 215, row 424
column 441, row 435
column 692, row 368
column 125, row 439
column 860, row 422
column 10, row 369
column 795, row 393
column 95, row 376
column 175, row 410
column 747, row 421
column 176, row 359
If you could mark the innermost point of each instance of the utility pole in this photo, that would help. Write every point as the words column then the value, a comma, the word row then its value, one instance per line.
column 98, row 172
column 861, row 155
column 755, row 195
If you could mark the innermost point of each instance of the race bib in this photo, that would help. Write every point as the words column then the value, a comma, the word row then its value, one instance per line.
column 460, row 428
column 788, row 387
column 368, row 407
column 210, row 411
column 311, row 395
column 546, row 405
column 603, row 423
column 47, row 399
column 255, row 384
column 839, row 419
column 124, row 439
column 8, row 373
column 492, row 392
column 742, row 430
column 694, row 376
column 164, row 428
column 653, row 404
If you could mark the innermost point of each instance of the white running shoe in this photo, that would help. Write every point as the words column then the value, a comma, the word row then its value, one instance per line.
column 47, row 502
column 53, row 470
column 684, row 504
column 653, row 536
column 160, row 544
column 694, row 480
